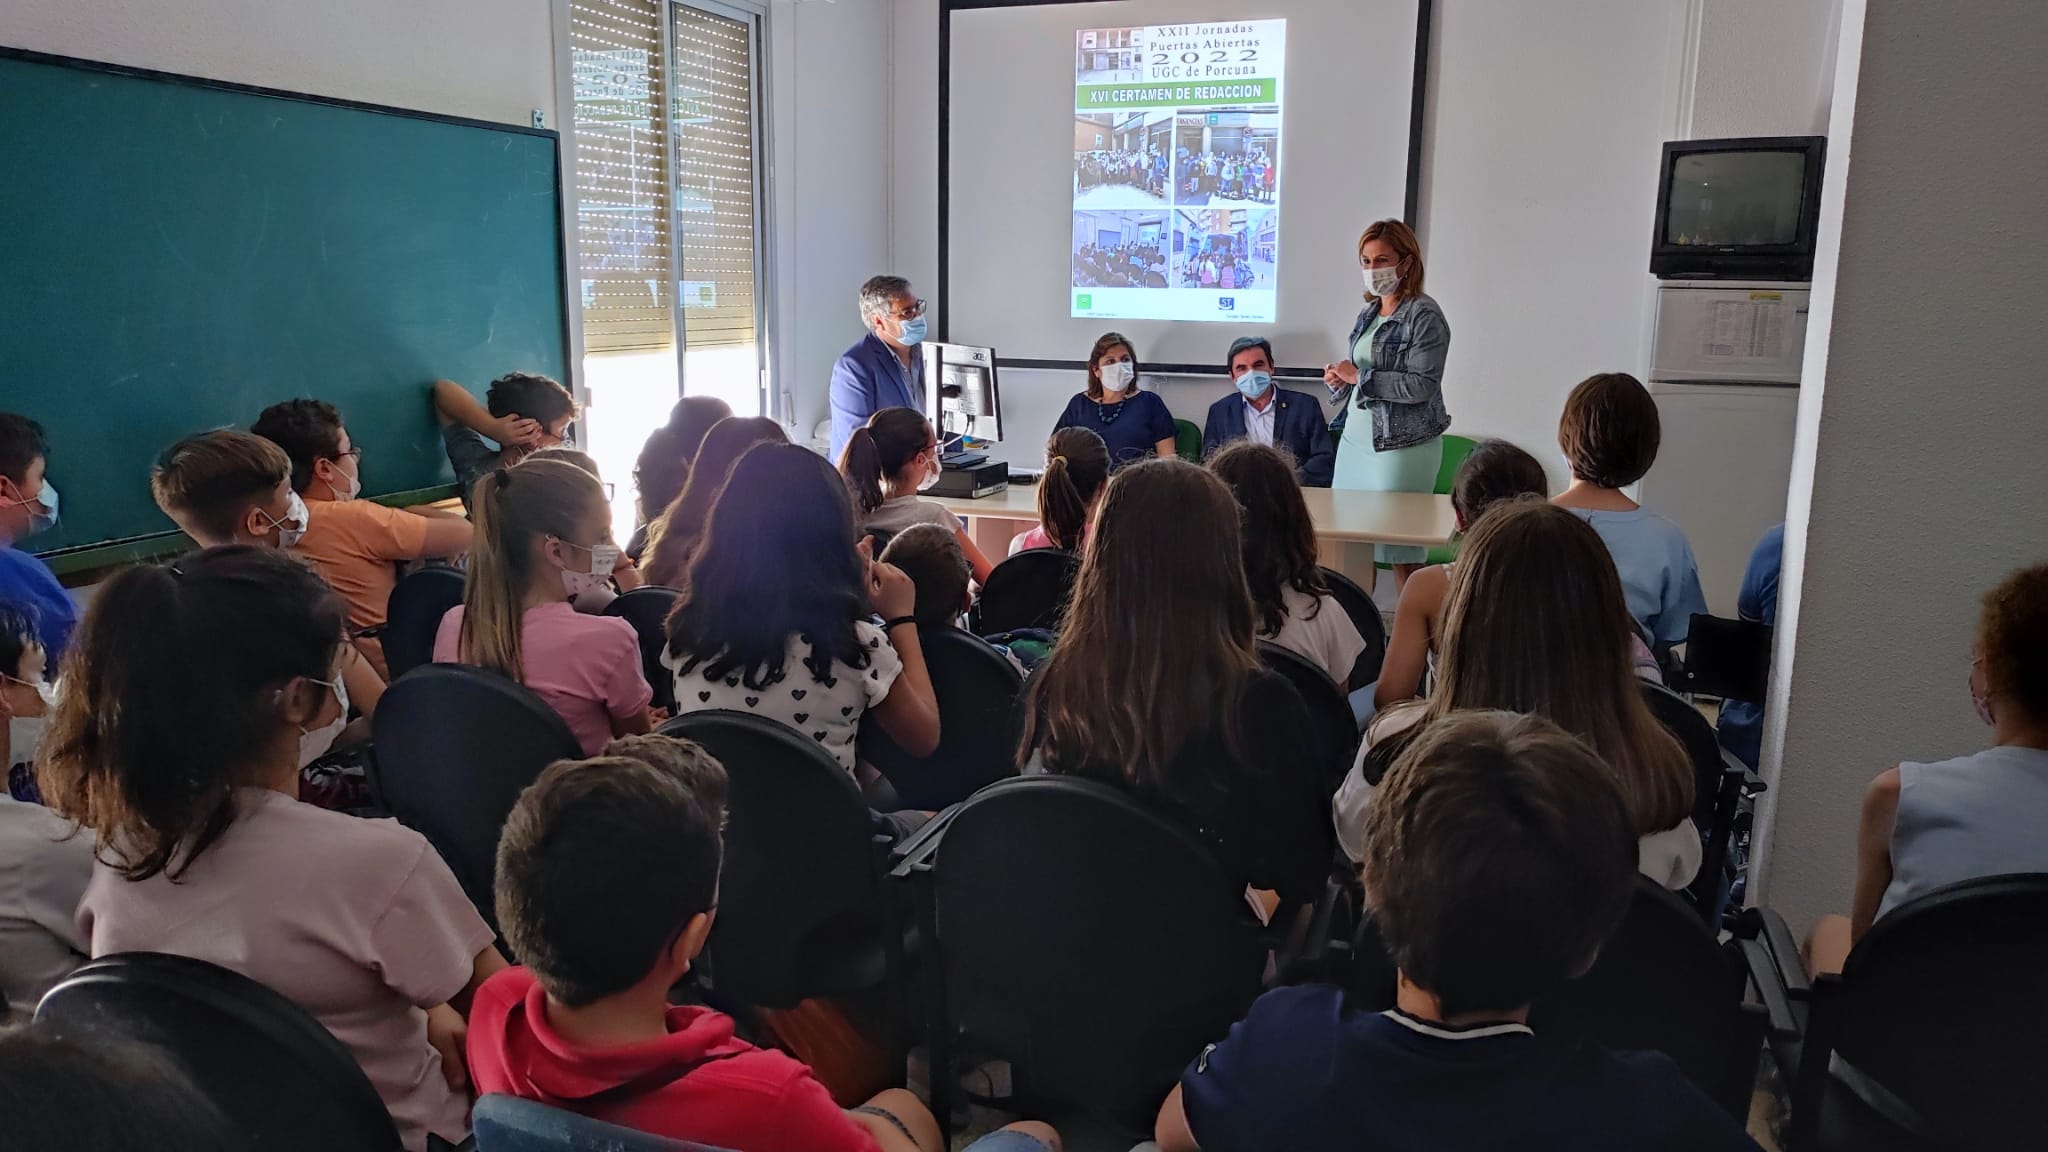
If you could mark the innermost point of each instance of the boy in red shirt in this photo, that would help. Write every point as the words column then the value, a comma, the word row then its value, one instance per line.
column 607, row 885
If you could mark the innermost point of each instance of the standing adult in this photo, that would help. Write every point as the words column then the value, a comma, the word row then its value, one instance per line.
column 884, row 369
column 1395, row 373
column 1133, row 423
column 1265, row 413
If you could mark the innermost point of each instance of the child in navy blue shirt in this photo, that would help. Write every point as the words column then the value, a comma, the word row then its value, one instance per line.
column 28, row 505
column 1500, row 854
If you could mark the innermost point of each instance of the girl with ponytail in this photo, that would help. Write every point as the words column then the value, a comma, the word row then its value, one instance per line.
column 1076, row 468
column 176, row 742
column 543, row 537
column 886, row 463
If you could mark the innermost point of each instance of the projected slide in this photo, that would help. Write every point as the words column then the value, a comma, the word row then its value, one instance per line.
column 1177, row 171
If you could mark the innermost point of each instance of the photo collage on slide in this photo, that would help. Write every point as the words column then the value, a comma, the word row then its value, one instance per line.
column 1176, row 190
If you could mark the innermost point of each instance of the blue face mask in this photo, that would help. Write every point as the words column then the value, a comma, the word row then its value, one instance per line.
column 44, row 521
column 1255, row 384
column 913, row 331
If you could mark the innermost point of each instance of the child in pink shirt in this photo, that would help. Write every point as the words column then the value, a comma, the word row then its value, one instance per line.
column 1076, row 468
column 543, row 532
column 177, row 743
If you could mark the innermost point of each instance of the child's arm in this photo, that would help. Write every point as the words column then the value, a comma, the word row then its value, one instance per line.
column 910, row 712
column 487, row 964
column 364, row 686
column 980, row 563
column 454, row 405
column 1408, row 647
column 1874, row 850
column 1170, row 1131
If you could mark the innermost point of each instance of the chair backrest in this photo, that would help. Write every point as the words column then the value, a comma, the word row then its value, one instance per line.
column 1335, row 732
column 413, row 616
column 1093, row 943
column 1689, row 726
column 455, row 747
column 647, row 609
column 1728, row 658
column 282, row 1079
column 1028, row 590
column 978, row 724
column 1456, row 448
column 1365, row 616
column 1663, row 982
column 504, row 1123
column 1187, row 439
column 1941, row 1003
column 800, row 897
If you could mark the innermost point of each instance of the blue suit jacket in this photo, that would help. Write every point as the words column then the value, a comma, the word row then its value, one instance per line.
column 867, row 379
column 1298, row 426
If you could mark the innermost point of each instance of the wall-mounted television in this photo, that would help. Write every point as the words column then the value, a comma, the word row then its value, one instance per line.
column 1743, row 209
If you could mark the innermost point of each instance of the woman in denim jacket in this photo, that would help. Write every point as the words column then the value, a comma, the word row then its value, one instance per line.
column 1395, row 375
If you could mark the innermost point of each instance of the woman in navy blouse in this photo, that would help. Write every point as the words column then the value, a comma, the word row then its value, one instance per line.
column 1134, row 424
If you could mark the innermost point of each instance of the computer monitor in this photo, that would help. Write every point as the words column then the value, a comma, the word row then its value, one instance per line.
column 960, row 393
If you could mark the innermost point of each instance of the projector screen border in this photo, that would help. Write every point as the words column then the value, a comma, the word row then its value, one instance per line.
column 1418, row 98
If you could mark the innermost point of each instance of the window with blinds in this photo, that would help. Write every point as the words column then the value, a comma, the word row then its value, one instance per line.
column 622, row 170
column 716, row 178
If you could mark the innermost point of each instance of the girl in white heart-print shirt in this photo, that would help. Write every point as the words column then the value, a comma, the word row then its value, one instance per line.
column 774, row 619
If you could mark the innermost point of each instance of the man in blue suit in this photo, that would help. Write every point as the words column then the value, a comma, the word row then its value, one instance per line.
column 884, row 369
column 1266, row 413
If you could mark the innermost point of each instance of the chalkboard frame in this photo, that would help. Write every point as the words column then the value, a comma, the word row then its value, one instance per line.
column 113, row 553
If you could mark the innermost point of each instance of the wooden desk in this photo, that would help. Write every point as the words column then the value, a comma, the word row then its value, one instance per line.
column 1341, row 517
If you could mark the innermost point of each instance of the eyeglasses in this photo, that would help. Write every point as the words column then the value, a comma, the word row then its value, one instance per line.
column 909, row 312
column 355, row 453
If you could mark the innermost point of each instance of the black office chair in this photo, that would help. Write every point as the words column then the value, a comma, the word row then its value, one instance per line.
column 1091, row 942
column 978, row 724
column 1931, row 1036
column 1335, row 735
column 647, row 609
column 508, row 1124
column 455, row 747
column 1664, row 983
column 1365, row 616
column 1721, row 786
column 284, row 1082
column 1028, row 590
column 801, row 909
column 413, row 616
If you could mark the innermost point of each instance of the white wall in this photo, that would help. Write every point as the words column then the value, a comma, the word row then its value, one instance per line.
column 1764, row 67
column 1918, row 477
column 486, row 59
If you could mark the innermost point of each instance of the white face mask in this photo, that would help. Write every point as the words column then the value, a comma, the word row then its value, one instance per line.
column 932, row 475
column 354, row 489
column 25, row 733
column 1381, row 281
column 1118, row 376
column 292, row 528
column 603, row 558
column 314, row 744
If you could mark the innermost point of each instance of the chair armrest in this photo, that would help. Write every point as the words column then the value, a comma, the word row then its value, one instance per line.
column 1769, row 983
column 1769, row 930
column 1752, row 784
column 913, row 854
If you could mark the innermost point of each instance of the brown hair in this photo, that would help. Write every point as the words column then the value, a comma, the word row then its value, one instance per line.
column 1076, row 468
column 1157, row 645
column 1401, row 238
column 1493, row 471
column 309, row 431
column 1610, row 430
column 1279, row 536
column 514, row 509
column 879, row 451
column 574, row 457
column 603, row 861
column 171, row 699
column 664, row 463
column 2012, row 633
column 214, row 477
column 1535, row 622
column 1103, row 344
column 930, row 554
column 674, row 535
column 1499, row 854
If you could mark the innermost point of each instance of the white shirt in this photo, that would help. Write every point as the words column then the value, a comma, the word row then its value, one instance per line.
column 828, row 711
column 1318, row 630
column 42, row 877
column 1258, row 426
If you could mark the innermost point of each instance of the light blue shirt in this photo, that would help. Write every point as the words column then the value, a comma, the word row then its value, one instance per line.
column 1974, row 816
column 1658, row 573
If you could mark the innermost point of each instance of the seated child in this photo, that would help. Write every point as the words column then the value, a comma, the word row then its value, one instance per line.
column 673, row 535
column 1076, row 468
column 177, row 742
column 887, row 462
column 71, row 1088
column 522, row 411
column 1494, row 471
column 543, row 537
column 1610, row 434
column 625, row 574
column 355, row 545
column 43, row 873
column 776, row 614
column 1929, row 825
column 1501, row 855
column 930, row 555
column 28, row 506
column 607, row 887
column 1293, row 605
column 664, row 463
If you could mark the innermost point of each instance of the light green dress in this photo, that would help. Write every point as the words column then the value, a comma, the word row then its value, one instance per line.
column 1360, row 467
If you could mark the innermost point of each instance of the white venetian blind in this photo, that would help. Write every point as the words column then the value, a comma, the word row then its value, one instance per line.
column 622, row 214
column 713, row 136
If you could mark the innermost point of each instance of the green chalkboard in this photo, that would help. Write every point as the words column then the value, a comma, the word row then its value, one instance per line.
column 177, row 254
